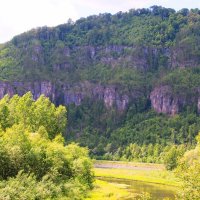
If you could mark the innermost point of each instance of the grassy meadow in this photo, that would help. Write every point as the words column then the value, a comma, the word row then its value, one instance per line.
column 108, row 191
column 149, row 173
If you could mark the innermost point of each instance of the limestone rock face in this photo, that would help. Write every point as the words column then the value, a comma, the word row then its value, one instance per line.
column 21, row 88
column 163, row 101
column 112, row 55
column 67, row 94
column 162, row 98
column 108, row 94
column 112, row 97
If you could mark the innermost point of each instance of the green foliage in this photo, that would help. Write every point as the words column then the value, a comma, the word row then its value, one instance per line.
column 169, row 155
column 133, row 51
column 9, row 60
column 34, row 163
column 189, row 172
column 144, row 137
column 173, row 156
column 28, row 187
column 149, row 127
column 183, row 81
column 33, row 114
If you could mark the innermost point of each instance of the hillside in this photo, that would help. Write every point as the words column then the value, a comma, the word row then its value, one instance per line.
column 127, row 78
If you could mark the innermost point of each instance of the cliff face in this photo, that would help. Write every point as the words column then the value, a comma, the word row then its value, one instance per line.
column 63, row 58
column 67, row 94
column 78, row 92
column 21, row 88
column 163, row 100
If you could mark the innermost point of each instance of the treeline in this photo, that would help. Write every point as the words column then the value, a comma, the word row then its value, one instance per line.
column 169, row 155
column 155, row 25
column 34, row 161
column 144, row 130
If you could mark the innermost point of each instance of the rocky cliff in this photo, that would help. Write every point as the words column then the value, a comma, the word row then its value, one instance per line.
column 163, row 100
column 70, row 62
column 69, row 94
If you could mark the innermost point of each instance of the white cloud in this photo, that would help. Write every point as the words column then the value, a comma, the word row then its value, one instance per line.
column 17, row 16
column 101, row 6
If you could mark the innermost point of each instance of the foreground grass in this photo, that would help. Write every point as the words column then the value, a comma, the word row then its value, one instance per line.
column 108, row 191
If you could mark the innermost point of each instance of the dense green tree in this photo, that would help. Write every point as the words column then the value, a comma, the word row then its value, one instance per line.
column 34, row 162
column 189, row 173
column 33, row 114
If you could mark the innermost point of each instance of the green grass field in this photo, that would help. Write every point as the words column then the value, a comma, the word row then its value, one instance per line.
column 108, row 191
column 151, row 173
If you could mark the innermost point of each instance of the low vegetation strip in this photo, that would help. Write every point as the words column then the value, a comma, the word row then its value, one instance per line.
column 128, row 165
column 152, row 173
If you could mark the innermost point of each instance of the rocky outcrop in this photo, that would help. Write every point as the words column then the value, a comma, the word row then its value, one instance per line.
column 108, row 94
column 21, row 88
column 163, row 100
column 68, row 93
column 140, row 57
column 62, row 57
column 111, row 98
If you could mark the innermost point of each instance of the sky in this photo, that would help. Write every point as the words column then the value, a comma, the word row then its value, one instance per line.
column 18, row 16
